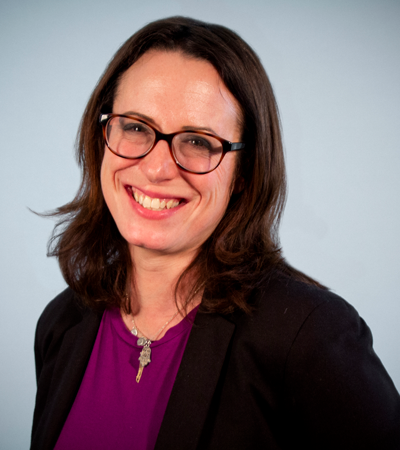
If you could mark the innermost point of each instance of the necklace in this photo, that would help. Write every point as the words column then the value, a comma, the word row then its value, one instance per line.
column 145, row 342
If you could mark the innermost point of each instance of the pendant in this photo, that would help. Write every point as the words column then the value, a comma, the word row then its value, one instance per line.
column 144, row 359
column 142, row 341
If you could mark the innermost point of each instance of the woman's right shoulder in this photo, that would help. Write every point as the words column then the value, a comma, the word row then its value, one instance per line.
column 60, row 314
column 65, row 305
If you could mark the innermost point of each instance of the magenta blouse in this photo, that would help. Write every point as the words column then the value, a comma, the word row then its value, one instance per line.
column 112, row 410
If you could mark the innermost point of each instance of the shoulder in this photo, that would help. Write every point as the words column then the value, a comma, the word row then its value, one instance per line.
column 318, row 353
column 283, row 308
column 281, row 291
column 308, row 320
column 293, row 323
column 64, row 304
column 62, row 312
column 60, row 315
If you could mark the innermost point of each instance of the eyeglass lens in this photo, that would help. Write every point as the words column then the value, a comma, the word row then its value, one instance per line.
column 194, row 151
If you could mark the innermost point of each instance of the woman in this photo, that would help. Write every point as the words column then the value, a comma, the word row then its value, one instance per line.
column 183, row 327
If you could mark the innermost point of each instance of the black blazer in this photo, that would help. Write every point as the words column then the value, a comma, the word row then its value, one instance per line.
column 299, row 372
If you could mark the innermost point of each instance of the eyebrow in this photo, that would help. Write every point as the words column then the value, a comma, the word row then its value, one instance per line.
column 185, row 128
column 210, row 130
column 142, row 116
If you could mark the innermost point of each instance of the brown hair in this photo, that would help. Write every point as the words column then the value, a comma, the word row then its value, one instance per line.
column 93, row 256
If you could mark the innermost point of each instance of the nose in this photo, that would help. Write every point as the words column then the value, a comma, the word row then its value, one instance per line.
column 158, row 165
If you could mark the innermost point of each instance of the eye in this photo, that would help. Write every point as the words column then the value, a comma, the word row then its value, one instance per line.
column 198, row 142
column 134, row 127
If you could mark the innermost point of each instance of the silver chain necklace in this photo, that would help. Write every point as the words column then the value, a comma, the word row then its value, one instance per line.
column 145, row 342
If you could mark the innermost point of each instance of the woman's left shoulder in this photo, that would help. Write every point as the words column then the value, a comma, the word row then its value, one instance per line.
column 287, row 295
column 283, row 306
column 296, row 324
column 325, row 367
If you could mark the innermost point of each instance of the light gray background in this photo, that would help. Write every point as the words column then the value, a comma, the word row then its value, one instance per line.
column 335, row 68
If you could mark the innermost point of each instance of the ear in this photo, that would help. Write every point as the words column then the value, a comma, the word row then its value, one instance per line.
column 238, row 186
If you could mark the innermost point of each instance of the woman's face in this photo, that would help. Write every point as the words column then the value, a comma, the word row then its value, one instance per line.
column 173, row 92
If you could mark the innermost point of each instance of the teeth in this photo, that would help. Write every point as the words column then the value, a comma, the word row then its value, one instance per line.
column 155, row 204
column 147, row 202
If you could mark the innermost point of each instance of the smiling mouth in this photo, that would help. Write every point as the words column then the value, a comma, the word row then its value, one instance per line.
column 154, row 204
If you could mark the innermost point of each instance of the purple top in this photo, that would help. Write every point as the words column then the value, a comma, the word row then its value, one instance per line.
column 112, row 410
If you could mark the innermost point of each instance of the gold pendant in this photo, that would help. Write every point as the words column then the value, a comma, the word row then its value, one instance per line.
column 144, row 359
column 139, row 374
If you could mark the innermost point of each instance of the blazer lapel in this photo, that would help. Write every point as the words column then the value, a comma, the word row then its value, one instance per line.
column 195, row 383
column 70, row 367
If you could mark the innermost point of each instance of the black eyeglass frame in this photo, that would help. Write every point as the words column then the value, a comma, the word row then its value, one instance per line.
column 227, row 146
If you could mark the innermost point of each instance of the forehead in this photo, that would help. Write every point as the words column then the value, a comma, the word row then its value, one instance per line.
column 177, row 90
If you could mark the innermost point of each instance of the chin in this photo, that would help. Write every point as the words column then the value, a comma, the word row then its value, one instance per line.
column 154, row 243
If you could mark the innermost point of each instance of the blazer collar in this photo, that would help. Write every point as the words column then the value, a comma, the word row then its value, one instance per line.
column 195, row 383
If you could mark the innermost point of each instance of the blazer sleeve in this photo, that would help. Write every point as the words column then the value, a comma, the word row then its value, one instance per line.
column 339, row 393
column 64, row 339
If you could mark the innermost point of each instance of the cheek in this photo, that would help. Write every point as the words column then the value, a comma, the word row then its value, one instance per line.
column 108, row 177
column 226, row 177
column 110, row 167
column 219, row 186
column 105, row 178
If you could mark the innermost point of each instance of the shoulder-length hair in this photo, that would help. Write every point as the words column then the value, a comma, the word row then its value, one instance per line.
column 93, row 256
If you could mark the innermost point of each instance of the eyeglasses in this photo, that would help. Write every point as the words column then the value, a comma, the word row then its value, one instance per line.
column 194, row 151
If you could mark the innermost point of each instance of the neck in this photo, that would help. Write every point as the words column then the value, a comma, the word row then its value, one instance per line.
column 155, row 278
